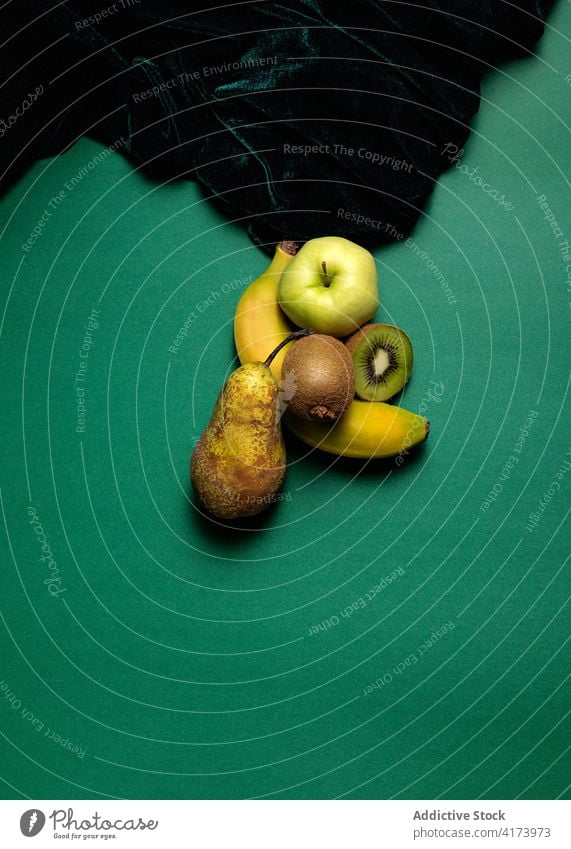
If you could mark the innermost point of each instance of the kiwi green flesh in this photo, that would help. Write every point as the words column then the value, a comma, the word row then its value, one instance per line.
column 383, row 362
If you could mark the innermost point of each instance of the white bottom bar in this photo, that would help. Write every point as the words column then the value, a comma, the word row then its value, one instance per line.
column 287, row 824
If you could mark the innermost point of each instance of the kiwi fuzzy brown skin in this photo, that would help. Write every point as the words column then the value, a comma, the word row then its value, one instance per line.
column 318, row 370
column 353, row 340
column 369, row 393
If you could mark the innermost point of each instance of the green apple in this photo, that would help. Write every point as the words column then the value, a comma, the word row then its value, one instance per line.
column 330, row 286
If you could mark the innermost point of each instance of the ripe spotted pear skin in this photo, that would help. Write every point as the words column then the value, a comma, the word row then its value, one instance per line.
column 239, row 462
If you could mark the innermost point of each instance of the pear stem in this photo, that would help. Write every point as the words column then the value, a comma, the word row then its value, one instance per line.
column 297, row 335
column 327, row 282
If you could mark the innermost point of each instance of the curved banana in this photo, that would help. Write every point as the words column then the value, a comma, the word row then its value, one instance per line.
column 259, row 322
column 366, row 429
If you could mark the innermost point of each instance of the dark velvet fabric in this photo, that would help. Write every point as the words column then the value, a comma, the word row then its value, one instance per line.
column 228, row 96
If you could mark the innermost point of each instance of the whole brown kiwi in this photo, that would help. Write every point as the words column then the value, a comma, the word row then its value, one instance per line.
column 318, row 378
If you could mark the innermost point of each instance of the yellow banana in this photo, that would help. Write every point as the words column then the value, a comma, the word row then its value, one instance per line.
column 367, row 428
column 259, row 323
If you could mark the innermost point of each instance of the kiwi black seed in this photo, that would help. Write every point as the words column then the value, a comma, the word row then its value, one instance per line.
column 382, row 357
column 318, row 379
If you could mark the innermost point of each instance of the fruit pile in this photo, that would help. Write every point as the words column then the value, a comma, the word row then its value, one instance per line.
column 330, row 290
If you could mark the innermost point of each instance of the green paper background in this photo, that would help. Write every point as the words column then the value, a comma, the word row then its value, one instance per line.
column 183, row 659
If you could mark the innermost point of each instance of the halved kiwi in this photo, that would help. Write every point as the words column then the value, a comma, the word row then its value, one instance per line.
column 382, row 359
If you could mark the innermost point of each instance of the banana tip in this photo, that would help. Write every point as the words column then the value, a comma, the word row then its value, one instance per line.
column 426, row 429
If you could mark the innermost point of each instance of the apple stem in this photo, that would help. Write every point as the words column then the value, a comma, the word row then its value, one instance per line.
column 297, row 335
column 327, row 282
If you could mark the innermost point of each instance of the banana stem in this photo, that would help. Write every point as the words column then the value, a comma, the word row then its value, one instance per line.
column 289, row 247
column 297, row 335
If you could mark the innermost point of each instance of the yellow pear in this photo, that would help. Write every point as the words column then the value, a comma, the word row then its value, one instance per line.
column 239, row 462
